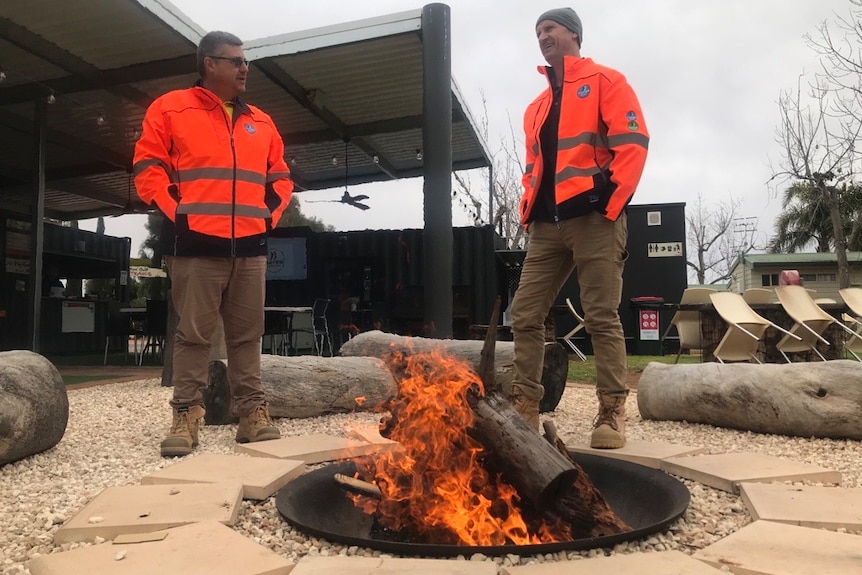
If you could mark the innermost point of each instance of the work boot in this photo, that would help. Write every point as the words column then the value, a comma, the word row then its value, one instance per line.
column 183, row 436
column 609, row 426
column 256, row 426
column 528, row 408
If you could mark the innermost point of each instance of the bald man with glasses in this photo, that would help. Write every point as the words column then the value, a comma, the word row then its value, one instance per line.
column 214, row 167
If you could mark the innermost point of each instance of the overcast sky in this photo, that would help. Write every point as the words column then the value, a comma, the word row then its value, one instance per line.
column 708, row 75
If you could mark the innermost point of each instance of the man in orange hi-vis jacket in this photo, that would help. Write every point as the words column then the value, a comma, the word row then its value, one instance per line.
column 586, row 148
column 214, row 166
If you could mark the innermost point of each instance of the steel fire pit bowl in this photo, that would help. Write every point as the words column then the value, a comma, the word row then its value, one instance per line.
column 647, row 499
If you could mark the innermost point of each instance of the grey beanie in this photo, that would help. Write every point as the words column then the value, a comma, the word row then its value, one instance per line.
column 565, row 17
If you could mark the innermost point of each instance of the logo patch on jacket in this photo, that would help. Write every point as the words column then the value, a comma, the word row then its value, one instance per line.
column 631, row 116
column 633, row 126
column 249, row 128
column 584, row 91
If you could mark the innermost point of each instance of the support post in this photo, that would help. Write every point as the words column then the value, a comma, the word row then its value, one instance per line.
column 37, row 228
column 437, row 157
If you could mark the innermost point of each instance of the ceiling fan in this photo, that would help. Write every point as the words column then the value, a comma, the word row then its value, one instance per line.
column 346, row 198
column 129, row 207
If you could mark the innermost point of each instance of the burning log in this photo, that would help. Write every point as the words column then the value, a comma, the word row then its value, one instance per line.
column 470, row 462
column 306, row 386
column 386, row 345
column 357, row 485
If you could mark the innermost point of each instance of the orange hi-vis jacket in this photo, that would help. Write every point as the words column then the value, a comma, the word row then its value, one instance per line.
column 602, row 142
column 222, row 184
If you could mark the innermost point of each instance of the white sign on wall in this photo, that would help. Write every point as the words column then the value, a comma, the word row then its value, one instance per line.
column 286, row 259
column 664, row 249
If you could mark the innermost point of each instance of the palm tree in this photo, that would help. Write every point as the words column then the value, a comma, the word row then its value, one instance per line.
column 805, row 219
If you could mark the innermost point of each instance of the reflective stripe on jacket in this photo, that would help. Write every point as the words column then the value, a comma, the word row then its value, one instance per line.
column 222, row 185
column 602, row 147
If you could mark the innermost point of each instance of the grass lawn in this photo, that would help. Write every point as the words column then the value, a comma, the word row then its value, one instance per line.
column 585, row 371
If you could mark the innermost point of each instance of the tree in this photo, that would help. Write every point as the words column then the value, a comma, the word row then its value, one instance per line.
column 716, row 238
column 804, row 219
column 503, row 183
column 294, row 218
column 819, row 128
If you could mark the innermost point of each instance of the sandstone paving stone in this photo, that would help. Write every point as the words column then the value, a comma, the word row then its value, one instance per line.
column 807, row 506
column 371, row 434
column 727, row 470
column 206, row 548
column 663, row 563
column 647, row 453
column 769, row 548
column 391, row 566
column 260, row 477
column 146, row 508
column 314, row 448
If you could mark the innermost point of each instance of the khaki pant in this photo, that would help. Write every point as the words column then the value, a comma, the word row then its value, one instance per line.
column 202, row 289
column 597, row 248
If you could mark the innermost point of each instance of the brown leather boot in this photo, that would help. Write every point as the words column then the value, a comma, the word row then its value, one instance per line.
column 256, row 426
column 609, row 426
column 183, row 436
column 528, row 408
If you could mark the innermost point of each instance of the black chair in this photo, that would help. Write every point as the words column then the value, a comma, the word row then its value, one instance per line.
column 274, row 329
column 155, row 329
column 119, row 325
column 319, row 329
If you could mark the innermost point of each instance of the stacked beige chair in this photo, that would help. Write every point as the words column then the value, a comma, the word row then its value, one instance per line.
column 810, row 321
column 579, row 325
column 745, row 328
column 687, row 322
column 754, row 296
column 853, row 298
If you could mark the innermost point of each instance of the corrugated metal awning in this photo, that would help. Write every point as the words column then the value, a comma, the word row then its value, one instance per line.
column 341, row 95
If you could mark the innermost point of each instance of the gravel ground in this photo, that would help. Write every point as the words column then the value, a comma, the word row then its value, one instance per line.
column 114, row 430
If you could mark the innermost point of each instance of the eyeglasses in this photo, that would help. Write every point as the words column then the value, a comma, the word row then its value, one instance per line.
column 236, row 61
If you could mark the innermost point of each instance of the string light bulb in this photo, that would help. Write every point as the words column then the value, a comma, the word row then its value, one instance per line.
column 51, row 98
column 2, row 75
column 419, row 154
column 375, row 159
column 334, row 160
column 292, row 161
column 100, row 119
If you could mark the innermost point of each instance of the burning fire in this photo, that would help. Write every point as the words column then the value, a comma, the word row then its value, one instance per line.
column 436, row 489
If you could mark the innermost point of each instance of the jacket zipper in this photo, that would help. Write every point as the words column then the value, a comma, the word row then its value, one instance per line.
column 539, row 141
column 233, row 185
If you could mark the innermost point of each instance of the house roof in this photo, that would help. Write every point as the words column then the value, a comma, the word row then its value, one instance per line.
column 759, row 260
column 331, row 91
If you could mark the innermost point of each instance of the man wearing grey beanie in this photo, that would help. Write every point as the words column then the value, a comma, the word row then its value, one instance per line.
column 586, row 148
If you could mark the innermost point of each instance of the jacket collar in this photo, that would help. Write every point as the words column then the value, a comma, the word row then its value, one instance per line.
column 572, row 65
column 238, row 104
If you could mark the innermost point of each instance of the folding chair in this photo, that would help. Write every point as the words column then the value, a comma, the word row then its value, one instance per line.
column 578, row 327
column 852, row 296
column 853, row 343
column 687, row 322
column 810, row 321
column 319, row 328
column 753, row 296
column 745, row 328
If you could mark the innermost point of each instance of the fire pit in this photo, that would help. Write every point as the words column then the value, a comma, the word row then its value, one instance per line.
column 648, row 500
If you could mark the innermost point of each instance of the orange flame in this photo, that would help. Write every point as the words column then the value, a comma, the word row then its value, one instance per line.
column 436, row 489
